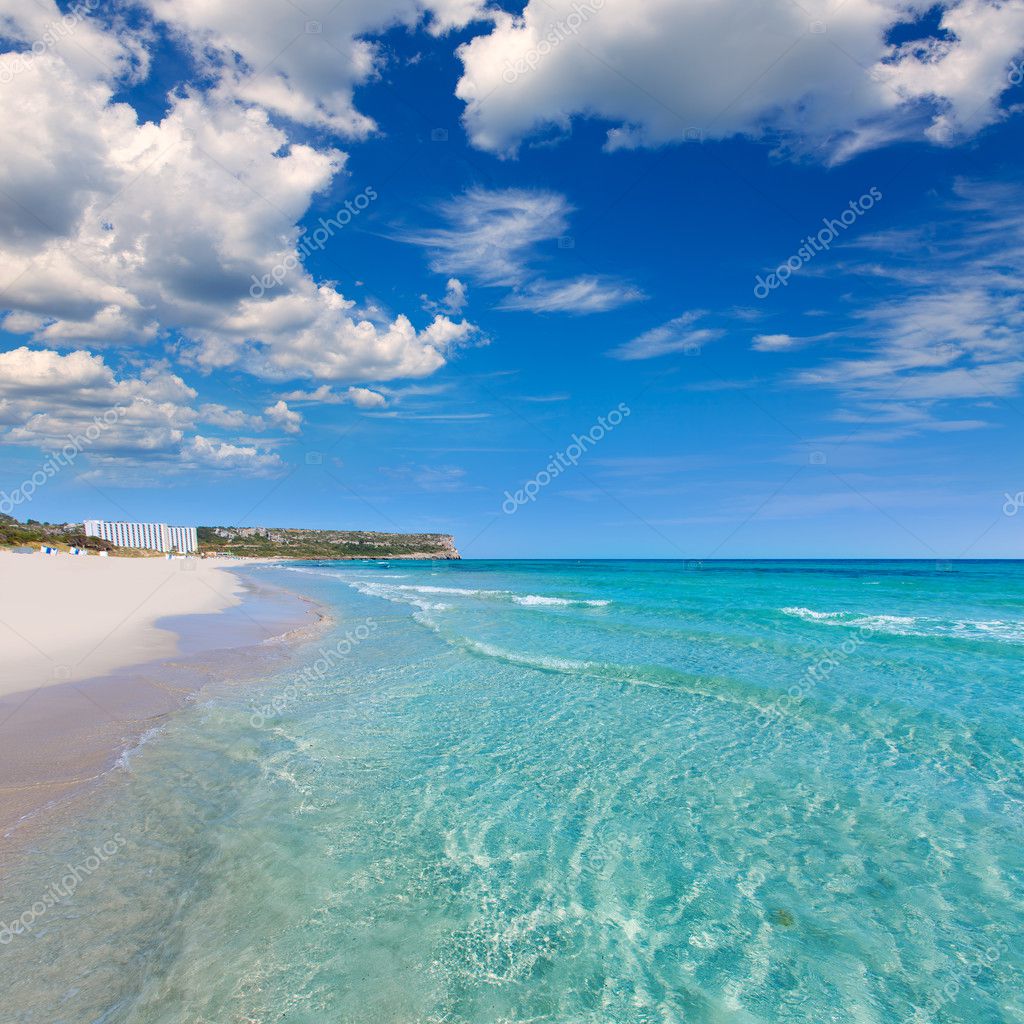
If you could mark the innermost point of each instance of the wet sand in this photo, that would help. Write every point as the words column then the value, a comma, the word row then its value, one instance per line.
column 57, row 739
column 65, row 618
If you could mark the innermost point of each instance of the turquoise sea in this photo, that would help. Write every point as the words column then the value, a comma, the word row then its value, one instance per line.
column 575, row 792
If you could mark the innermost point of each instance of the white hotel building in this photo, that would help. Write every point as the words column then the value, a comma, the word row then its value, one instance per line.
column 152, row 536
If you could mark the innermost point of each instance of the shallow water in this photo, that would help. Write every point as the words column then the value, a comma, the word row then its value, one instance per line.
column 575, row 792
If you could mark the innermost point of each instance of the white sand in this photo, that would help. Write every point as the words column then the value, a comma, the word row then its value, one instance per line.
column 65, row 618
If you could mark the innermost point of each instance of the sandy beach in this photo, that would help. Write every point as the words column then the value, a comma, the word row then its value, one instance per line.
column 95, row 651
column 65, row 618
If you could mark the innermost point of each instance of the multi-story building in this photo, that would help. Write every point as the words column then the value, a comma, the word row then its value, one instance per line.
column 151, row 536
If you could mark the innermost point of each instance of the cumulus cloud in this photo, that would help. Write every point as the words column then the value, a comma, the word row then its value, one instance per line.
column 361, row 398
column 676, row 335
column 817, row 76
column 287, row 419
column 455, row 298
column 210, row 453
column 119, row 232
column 81, row 36
column 493, row 235
column 301, row 62
column 47, row 398
column 218, row 415
column 364, row 398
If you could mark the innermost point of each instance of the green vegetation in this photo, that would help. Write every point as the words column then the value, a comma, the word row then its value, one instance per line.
column 271, row 542
column 246, row 542
column 60, row 535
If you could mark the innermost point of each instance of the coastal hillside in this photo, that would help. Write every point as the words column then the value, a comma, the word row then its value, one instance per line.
column 272, row 542
column 59, row 535
column 248, row 541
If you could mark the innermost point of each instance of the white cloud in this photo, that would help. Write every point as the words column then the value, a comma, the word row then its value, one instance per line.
column 456, row 296
column 816, row 75
column 774, row 342
column 361, row 398
column 677, row 335
column 952, row 328
column 25, row 373
column 115, row 232
column 47, row 398
column 492, row 236
column 322, row 395
column 586, row 294
column 364, row 398
column 785, row 342
column 287, row 419
column 964, row 75
column 77, row 35
column 301, row 61
column 204, row 452
column 232, row 419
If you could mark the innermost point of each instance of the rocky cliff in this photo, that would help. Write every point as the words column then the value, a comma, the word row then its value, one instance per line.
column 275, row 542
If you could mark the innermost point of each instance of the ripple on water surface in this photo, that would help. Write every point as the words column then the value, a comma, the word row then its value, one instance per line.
column 554, row 793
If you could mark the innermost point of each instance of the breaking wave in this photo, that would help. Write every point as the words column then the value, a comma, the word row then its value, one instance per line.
column 1000, row 630
column 416, row 594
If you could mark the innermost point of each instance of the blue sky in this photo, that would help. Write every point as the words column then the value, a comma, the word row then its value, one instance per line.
column 552, row 212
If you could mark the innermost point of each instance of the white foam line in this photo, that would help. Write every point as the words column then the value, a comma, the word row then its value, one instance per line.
column 998, row 630
column 125, row 760
column 393, row 592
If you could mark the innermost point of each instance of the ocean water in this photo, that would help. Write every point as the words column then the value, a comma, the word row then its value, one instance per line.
column 579, row 792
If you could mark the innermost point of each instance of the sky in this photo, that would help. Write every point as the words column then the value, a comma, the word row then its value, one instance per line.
column 598, row 278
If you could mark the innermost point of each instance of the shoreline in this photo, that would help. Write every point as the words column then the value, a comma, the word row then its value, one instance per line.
column 67, row 619
column 61, row 738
